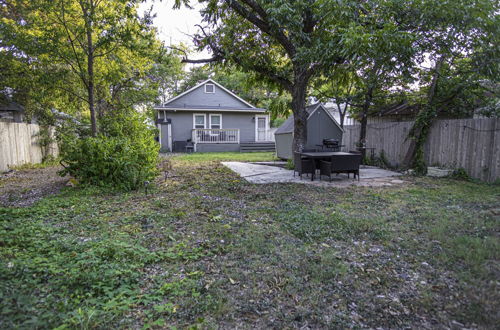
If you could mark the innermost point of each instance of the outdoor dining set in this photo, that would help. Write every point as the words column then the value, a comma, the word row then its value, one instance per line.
column 310, row 161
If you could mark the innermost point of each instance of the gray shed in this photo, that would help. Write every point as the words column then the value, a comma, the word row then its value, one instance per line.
column 320, row 125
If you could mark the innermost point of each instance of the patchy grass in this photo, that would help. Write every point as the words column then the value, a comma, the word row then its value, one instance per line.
column 207, row 249
column 226, row 156
column 30, row 166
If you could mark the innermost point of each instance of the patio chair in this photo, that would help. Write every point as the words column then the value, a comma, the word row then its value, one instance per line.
column 303, row 165
column 189, row 146
column 341, row 164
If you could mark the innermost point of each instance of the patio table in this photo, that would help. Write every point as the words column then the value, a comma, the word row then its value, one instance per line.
column 319, row 155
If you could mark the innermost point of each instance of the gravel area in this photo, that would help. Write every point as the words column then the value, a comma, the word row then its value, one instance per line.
column 21, row 188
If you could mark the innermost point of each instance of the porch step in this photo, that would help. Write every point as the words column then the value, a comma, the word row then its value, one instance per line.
column 257, row 146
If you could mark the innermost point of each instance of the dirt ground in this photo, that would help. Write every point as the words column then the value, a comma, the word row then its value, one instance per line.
column 20, row 188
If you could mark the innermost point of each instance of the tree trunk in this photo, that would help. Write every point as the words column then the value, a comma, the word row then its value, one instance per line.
column 299, row 116
column 88, row 13
column 418, row 133
column 364, row 119
column 341, row 114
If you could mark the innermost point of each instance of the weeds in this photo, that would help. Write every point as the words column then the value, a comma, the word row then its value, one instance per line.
column 206, row 249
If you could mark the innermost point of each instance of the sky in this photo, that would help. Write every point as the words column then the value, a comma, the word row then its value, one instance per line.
column 175, row 25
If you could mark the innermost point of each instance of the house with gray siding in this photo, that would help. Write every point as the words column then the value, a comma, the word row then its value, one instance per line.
column 211, row 118
column 321, row 124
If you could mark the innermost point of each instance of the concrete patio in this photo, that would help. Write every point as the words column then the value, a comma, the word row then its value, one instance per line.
column 261, row 174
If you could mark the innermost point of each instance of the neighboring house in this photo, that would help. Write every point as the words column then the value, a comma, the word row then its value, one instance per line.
column 11, row 111
column 321, row 124
column 393, row 113
column 213, row 119
column 332, row 107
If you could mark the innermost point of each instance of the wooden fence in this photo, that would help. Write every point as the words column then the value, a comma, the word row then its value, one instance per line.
column 471, row 144
column 19, row 144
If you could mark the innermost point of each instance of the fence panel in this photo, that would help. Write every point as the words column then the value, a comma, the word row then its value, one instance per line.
column 19, row 144
column 472, row 144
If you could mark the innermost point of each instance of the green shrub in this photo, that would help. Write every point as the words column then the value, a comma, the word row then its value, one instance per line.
column 460, row 174
column 122, row 156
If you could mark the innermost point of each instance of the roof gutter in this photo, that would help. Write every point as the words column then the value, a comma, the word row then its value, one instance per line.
column 210, row 110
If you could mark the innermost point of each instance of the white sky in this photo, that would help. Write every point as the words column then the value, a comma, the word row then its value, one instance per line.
column 175, row 25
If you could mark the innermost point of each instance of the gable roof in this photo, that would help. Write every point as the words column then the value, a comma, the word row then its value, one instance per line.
column 11, row 106
column 243, row 105
column 287, row 126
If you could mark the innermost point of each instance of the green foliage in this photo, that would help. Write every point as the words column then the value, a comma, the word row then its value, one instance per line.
column 460, row 174
column 47, row 64
column 123, row 156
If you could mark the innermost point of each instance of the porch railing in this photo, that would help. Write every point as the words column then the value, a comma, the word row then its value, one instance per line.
column 223, row 135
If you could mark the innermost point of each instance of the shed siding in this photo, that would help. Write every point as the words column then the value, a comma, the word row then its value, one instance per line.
column 284, row 145
column 197, row 98
column 320, row 126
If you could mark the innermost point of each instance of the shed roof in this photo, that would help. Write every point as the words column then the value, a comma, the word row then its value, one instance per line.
column 287, row 126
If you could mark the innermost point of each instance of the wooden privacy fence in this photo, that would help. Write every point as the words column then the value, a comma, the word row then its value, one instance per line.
column 19, row 144
column 471, row 144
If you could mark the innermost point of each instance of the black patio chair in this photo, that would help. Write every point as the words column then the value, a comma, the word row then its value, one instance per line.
column 303, row 165
column 341, row 164
column 189, row 146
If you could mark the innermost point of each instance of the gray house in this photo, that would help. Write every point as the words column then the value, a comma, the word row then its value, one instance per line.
column 211, row 118
column 321, row 124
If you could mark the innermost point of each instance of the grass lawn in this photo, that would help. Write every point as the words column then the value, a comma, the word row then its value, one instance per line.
column 202, row 157
column 206, row 249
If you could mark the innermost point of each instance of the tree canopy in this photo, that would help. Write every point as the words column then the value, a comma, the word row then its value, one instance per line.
column 87, row 57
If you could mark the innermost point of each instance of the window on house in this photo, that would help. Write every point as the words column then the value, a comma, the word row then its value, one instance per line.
column 209, row 88
column 199, row 121
column 215, row 121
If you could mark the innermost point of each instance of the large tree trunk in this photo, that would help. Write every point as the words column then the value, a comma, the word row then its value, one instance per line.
column 420, row 129
column 299, row 113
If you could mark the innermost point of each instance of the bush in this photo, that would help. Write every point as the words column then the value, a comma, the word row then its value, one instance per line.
column 123, row 156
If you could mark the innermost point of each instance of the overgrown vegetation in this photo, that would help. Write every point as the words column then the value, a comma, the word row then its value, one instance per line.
column 123, row 156
column 206, row 249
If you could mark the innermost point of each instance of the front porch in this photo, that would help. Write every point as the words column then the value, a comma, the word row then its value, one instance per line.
column 228, row 139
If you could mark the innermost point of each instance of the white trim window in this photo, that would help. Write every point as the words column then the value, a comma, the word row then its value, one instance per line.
column 215, row 121
column 209, row 88
column 199, row 120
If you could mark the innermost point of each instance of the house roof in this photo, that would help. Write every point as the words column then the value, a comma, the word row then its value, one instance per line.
column 400, row 109
column 167, row 105
column 288, row 125
column 205, row 108
column 11, row 106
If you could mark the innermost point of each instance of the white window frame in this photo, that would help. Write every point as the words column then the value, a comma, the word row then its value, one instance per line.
column 213, row 90
column 204, row 120
column 210, row 120
column 257, row 127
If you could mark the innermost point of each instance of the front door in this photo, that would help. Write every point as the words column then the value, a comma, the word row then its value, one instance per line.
column 261, row 134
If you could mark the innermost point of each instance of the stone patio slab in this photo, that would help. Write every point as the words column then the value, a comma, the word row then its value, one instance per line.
column 262, row 174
